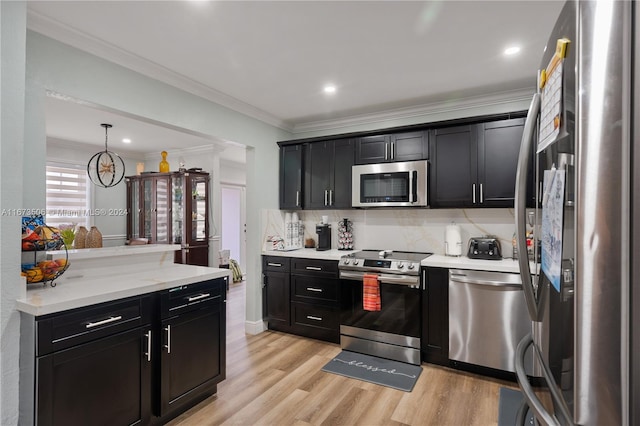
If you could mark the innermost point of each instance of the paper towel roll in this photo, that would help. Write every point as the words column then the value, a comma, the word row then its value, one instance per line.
column 452, row 240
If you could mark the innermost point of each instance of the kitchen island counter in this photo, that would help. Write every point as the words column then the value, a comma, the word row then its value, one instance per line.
column 309, row 253
column 110, row 274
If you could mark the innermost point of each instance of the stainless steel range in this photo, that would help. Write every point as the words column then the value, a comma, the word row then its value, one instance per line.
column 393, row 331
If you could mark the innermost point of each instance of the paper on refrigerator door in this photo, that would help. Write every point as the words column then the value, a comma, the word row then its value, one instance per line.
column 552, row 225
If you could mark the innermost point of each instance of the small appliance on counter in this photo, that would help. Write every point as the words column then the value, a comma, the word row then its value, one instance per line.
column 345, row 234
column 324, row 236
column 452, row 240
column 486, row 247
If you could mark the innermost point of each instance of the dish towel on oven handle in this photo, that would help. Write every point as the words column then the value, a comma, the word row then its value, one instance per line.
column 370, row 293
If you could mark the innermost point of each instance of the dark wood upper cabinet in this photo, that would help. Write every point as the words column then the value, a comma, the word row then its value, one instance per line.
column 453, row 166
column 328, row 174
column 291, row 174
column 475, row 165
column 408, row 146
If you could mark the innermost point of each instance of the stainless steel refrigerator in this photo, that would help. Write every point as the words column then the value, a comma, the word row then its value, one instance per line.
column 583, row 128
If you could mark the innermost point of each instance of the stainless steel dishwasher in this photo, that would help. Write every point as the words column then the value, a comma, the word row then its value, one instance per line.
column 487, row 318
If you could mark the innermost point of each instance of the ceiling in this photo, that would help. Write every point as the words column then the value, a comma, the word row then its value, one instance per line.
column 271, row 59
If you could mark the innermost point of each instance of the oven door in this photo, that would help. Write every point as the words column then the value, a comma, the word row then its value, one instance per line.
column 394, row 331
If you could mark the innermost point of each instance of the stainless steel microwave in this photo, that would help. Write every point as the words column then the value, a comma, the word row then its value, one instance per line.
column 403, row 184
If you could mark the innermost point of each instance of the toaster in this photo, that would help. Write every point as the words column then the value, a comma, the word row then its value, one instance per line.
column 484, row 248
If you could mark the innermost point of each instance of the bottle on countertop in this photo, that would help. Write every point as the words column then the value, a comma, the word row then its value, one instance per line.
column 514, row 243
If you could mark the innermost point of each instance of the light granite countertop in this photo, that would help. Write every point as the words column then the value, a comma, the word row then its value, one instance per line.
column 103, row 275
column 435, row 260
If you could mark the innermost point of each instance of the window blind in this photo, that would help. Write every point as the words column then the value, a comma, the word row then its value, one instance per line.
column 67, row 195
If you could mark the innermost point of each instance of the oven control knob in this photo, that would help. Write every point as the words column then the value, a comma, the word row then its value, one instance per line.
column 400, row 265
column 346, row 261
column 411, row 266
column 355, row 262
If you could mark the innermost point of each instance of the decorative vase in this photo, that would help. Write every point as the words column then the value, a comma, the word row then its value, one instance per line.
column 81, row 236
column 164, row 164
column 94, row 238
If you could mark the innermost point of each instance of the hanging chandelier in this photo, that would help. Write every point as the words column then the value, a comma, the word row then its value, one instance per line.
column 106, row 168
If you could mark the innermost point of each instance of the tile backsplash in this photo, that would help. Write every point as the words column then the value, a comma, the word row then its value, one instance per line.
column 420, row 230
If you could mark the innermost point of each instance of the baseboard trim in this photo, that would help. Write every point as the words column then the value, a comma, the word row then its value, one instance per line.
column 255, row 327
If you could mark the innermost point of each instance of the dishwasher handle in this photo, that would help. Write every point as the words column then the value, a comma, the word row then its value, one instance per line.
column 462, row 278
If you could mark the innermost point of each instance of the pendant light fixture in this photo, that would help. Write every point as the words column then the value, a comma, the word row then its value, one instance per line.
column 106, row 168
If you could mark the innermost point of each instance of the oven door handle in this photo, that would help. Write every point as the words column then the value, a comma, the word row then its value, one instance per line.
column 409, row 280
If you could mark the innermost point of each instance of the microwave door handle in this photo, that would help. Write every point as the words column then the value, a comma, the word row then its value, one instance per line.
column 413, row 185
column 521, row 207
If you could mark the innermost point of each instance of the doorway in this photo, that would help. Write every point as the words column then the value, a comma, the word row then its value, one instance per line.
column 233, row 237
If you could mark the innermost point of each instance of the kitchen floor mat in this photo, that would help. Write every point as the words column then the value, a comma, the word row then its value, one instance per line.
column 508, row 406
column 385, row 372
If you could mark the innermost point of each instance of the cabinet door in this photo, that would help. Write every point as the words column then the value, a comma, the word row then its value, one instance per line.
column 134, row 208
column 104, row 382
column 161, row 218
column 498, row 150
column 409, row 146
column 277, row 293
column 373, row 149
column 197, row 209
column 193, row 356
column 453, row 167
column 344, row 156
column 291, row 177
column 318, row 170
column 193, row 255
column 435, row 316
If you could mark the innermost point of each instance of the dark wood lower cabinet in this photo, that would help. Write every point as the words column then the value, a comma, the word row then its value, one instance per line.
column 104, row 382
column 302, row 296
column 435, row 316
column 136, row 361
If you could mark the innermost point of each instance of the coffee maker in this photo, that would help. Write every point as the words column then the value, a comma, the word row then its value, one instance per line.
column 324, row 236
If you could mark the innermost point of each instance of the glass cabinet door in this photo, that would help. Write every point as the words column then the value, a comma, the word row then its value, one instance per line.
column 162, row 209
column 134, row 208
column 177, row 209
column 147, row 209
column 199, row 209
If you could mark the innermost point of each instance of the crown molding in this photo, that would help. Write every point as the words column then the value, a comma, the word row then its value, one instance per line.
column 79, row 40
column 381, row 119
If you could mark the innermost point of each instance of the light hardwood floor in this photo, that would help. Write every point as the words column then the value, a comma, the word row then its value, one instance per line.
column 275, row 379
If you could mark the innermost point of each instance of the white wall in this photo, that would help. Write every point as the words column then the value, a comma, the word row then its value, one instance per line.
column 12, row 134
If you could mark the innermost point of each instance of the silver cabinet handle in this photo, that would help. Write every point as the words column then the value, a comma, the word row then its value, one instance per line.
column 325, row 197
column 198, row 297
column 106, row 321
column 317, row 290
column 481, row 195
column 297, row 198
column 148, row 352
column 278, row 265
column 331, row 197
column 314, row 268
column 168, row 345
column 311, row 317
column 386, row 151
column 473, row 190
column 393, row 150
column 424, row 279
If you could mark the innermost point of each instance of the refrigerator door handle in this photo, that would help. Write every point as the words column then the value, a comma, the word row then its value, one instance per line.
column 521, row 207
column 534, row 403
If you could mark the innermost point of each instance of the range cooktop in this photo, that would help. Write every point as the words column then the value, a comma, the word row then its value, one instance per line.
column 383, row 261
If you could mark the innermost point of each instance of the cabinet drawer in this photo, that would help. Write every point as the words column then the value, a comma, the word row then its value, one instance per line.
column 276, row 264
column 82, row 325
column 328, row 268
column 315, row 289
column 187, row 298
column 315, row 316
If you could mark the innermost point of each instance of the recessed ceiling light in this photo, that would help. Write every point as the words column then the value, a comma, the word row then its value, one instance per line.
column 126, row 140
column 509, row 51
column 329, row 89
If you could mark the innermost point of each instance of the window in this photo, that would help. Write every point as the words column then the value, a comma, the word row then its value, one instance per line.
column 67, row 195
